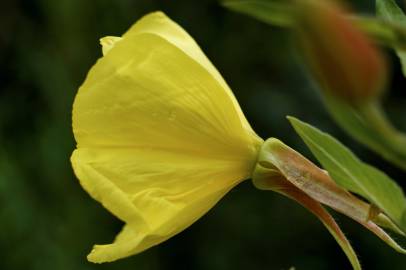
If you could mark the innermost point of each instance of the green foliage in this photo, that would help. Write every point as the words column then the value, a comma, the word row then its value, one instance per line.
column 281, row 13
column 390, row 11
column 273, row 12
column 353, row 174
column 369, row 126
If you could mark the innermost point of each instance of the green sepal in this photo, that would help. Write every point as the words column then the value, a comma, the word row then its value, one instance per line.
column 281, row 169
column 352, row 174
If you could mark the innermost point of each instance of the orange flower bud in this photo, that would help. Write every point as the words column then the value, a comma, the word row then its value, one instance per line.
column 342, row 58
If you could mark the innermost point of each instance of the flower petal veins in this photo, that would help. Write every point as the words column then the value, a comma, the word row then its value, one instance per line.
column 160, row 136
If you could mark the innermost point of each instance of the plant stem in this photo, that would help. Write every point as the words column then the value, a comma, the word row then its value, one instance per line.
column 390, row 136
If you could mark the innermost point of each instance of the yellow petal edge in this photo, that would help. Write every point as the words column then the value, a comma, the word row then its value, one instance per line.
column 160, row 136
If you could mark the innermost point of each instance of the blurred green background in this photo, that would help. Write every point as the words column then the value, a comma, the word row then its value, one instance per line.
column 48, row 222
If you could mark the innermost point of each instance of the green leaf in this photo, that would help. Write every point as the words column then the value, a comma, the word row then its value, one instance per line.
column 391, row 12
column 353, row 174
column 274, row 12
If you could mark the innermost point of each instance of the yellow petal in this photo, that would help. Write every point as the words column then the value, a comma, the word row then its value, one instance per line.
column 160, row 136
column 108, row 43
column 159, row 24
column 156, row 192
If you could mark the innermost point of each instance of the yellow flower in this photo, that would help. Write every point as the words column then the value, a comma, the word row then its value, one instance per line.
column 160, row 136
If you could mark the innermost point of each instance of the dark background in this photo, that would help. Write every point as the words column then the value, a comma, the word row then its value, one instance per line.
column 48, row 222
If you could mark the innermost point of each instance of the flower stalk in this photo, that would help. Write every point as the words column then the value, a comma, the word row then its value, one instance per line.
column 394, row 139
